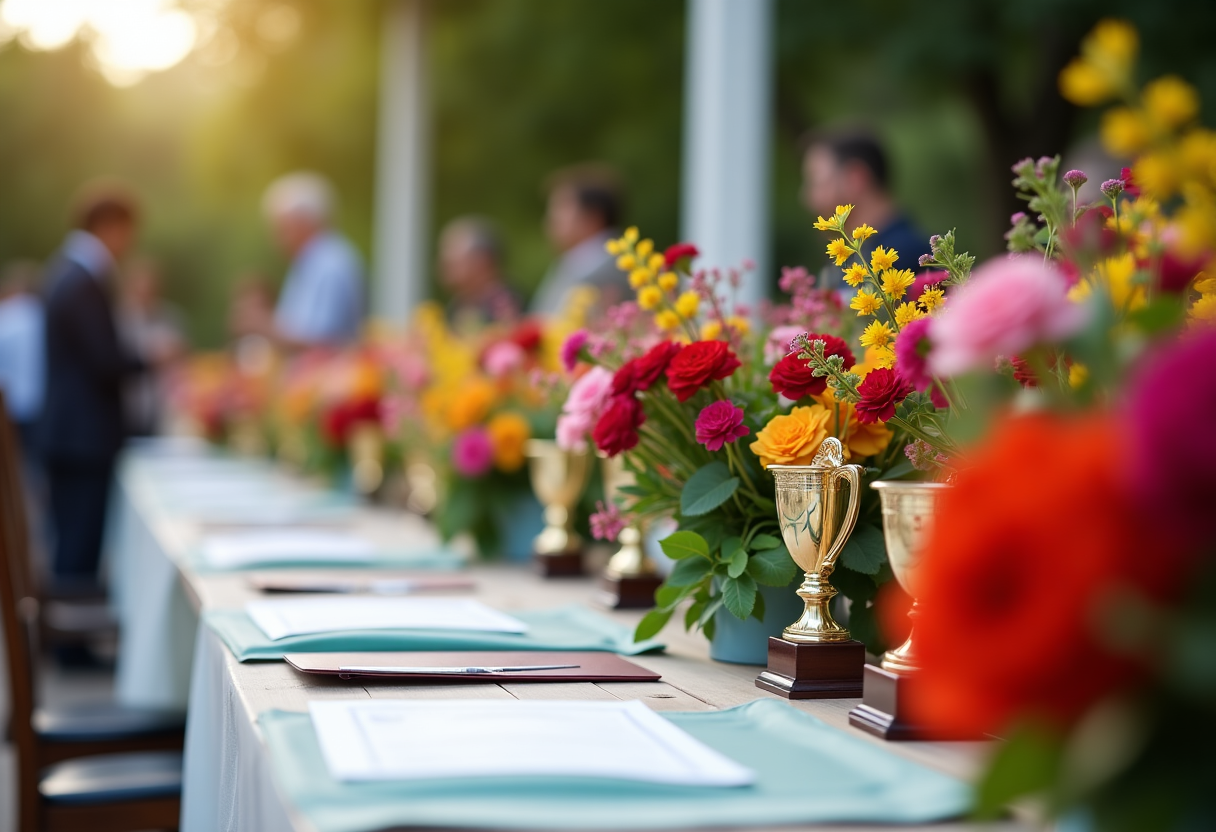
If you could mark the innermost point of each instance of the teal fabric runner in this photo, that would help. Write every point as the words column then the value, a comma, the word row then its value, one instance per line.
column 566, row 628
column 807, row 772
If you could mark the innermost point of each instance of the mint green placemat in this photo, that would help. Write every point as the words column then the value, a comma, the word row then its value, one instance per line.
column 438, row 558
column 566, row 628
column 807, row 772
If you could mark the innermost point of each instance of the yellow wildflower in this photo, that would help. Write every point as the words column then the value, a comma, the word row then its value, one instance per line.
column 1117, row 275
column 656, row 262
column 859, row 439
column 883, row 259
column 1157, row 173
column 509, row 432
column 649, row 297
column 639, row 278
column 667, row 320
column 1205, row 284
column 1113, row 42
column 854, row 274
column 644, row 248
column 1203, row 310
column 668, row 282
column 866, row 303
column 614, row 247
column 839, row 250
column 1103, row 70
column 1124, row 131
column 863, row 232
column 1084, row 84
column 739, row 324
column 905, row 313
column 1078, row 374
column 626, row 262
column 687, row 303
column 1197, row 152
column 874, row 359
column 631, row 235
column 932, row 298
column 1171, row 101
column 896, row 281
column 825, row 225
column 710, row 330
column 877, row 334
column 842, row 214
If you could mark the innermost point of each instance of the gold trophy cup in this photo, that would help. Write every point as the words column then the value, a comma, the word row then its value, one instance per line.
column 631, row 577
column 558, row 478
column 817, row 507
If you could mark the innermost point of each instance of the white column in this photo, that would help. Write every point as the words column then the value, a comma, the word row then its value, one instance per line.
column 727, row 132
column 401, row 231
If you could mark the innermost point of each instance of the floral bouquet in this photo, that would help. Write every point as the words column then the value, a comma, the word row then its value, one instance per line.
column 221, row 400
column 699, row 404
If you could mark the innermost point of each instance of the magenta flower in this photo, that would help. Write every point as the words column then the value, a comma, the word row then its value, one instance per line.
column 606, row 523
column 719, row 423
column 1075, row 179
column 473, row 453
column 912, row 347
column 1010, row 305
column 571, row 348
column 923, row 282
column 586, row 402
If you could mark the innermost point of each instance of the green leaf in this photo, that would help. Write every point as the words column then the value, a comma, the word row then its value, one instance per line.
column 865, row 550
column 739, row 596
column 765, row 541
column 734, row 556
column 689, row 571
column 758, row 610
column 682, row 544
column 693, row 613
column 666, row 596
column 651, row 623
column 707, row 614
column 1028, row 762
column 772, row 567
column 711, row 527
column 708, row 488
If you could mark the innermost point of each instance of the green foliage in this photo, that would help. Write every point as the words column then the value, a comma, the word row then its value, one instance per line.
column 684, row 544
column 772, row 566
column 1028, row 762
column 708, row 488
column 865, row 551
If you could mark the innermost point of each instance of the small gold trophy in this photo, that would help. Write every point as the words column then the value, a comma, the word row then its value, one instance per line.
column 817, row 507
column 631, row 577
column 909, row 510
column 558, row 478
column 366, row 449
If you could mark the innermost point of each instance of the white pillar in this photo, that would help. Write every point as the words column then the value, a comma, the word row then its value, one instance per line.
column 401, row 230
column 727, row 132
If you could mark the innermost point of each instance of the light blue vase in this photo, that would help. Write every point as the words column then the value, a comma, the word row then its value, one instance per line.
column 746, row 642
column 520, row 518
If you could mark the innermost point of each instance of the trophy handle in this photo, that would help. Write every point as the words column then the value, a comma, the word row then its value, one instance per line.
column 851, row 473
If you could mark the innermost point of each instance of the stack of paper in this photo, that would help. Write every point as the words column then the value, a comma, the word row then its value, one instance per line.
column 285, row 546
column 425, row 739
column 283, row 618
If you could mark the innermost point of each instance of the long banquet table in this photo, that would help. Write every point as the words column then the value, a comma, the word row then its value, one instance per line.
column 165, row 656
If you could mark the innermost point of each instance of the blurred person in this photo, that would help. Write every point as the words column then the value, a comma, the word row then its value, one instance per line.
column 81, row 429
column 850, row 167
column 471, row 270
column 146, row 323
column 583, row 211
column 255, row 353
column 321, row 302
column 22, row 353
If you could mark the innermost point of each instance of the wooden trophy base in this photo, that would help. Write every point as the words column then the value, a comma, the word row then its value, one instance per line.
column 628, row 592
column 883, row 711
column 561, row 565
column 827, row 670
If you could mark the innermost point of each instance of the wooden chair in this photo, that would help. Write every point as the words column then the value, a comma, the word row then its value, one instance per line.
column 98, row 767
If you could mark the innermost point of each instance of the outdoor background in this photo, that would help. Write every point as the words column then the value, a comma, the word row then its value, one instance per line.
column 960, row 89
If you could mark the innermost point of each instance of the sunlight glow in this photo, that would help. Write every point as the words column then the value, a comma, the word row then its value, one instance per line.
column 128, row 38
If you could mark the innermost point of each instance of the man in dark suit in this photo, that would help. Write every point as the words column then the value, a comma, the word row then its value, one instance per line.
column 81, row 427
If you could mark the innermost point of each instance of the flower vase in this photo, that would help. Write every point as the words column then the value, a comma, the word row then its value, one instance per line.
column 746, row 642
column 520, row 518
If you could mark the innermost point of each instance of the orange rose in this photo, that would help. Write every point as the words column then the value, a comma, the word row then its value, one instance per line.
column 508, row 434
column 858, row 438
column 470, row 404
column 793, row 439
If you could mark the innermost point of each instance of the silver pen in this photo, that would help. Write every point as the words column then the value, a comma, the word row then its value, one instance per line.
column 455, row 671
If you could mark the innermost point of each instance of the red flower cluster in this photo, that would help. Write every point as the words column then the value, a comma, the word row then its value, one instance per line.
column 641, row 373
column 880, row 392
column 1027, row 556
column 1023, row 373
column 697, row 364
column 527, row 335
column 678, row 252
column 617, row 429
column 792, row 376
column 339, row 419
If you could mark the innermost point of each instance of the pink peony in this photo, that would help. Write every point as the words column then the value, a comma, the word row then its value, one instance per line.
column 503, row 358
column 572, row 432
column 473, row 453
column 719, row 423
column 912, row 347
column 571, row 348
column 586, row 402
column 1010, row 305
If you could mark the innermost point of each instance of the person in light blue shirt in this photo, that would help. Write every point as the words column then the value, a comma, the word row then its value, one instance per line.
column 321, row 302
column 22, row 354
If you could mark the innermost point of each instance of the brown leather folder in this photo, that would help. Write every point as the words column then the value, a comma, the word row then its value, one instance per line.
column 592, row 666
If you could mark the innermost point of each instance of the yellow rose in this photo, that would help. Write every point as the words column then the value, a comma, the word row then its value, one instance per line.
column 793, row 438
column 509, row 432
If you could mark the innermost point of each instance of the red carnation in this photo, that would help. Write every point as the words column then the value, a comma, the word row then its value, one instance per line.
column 641, row 373
column 617, row 428
column 1129, row 183
column 792, row 376
column 678, row 252
column 697, row 364
column 1023, row 373
column 880, row 392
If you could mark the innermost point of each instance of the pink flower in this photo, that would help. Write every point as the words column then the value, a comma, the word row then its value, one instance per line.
column 777, row 344
column 719, row 423
column 503, row 358
column 571, row 348
column 473, row 453
column 912, row 347
column 606, row 523
column 586, row 402
column 572, row 432
column 1010, row 305
column 922, row 283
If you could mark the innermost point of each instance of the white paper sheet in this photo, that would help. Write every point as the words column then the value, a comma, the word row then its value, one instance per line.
column 233, row 551
column 281, row 618
column 425, row 739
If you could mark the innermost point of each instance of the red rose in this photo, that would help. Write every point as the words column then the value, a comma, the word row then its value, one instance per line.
column 678, row 252
column 340, row 418
column 617, row 428
column 792, row 376
column 880, row 392
column 527, row 335
column 641, row 373
column 697, row 364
